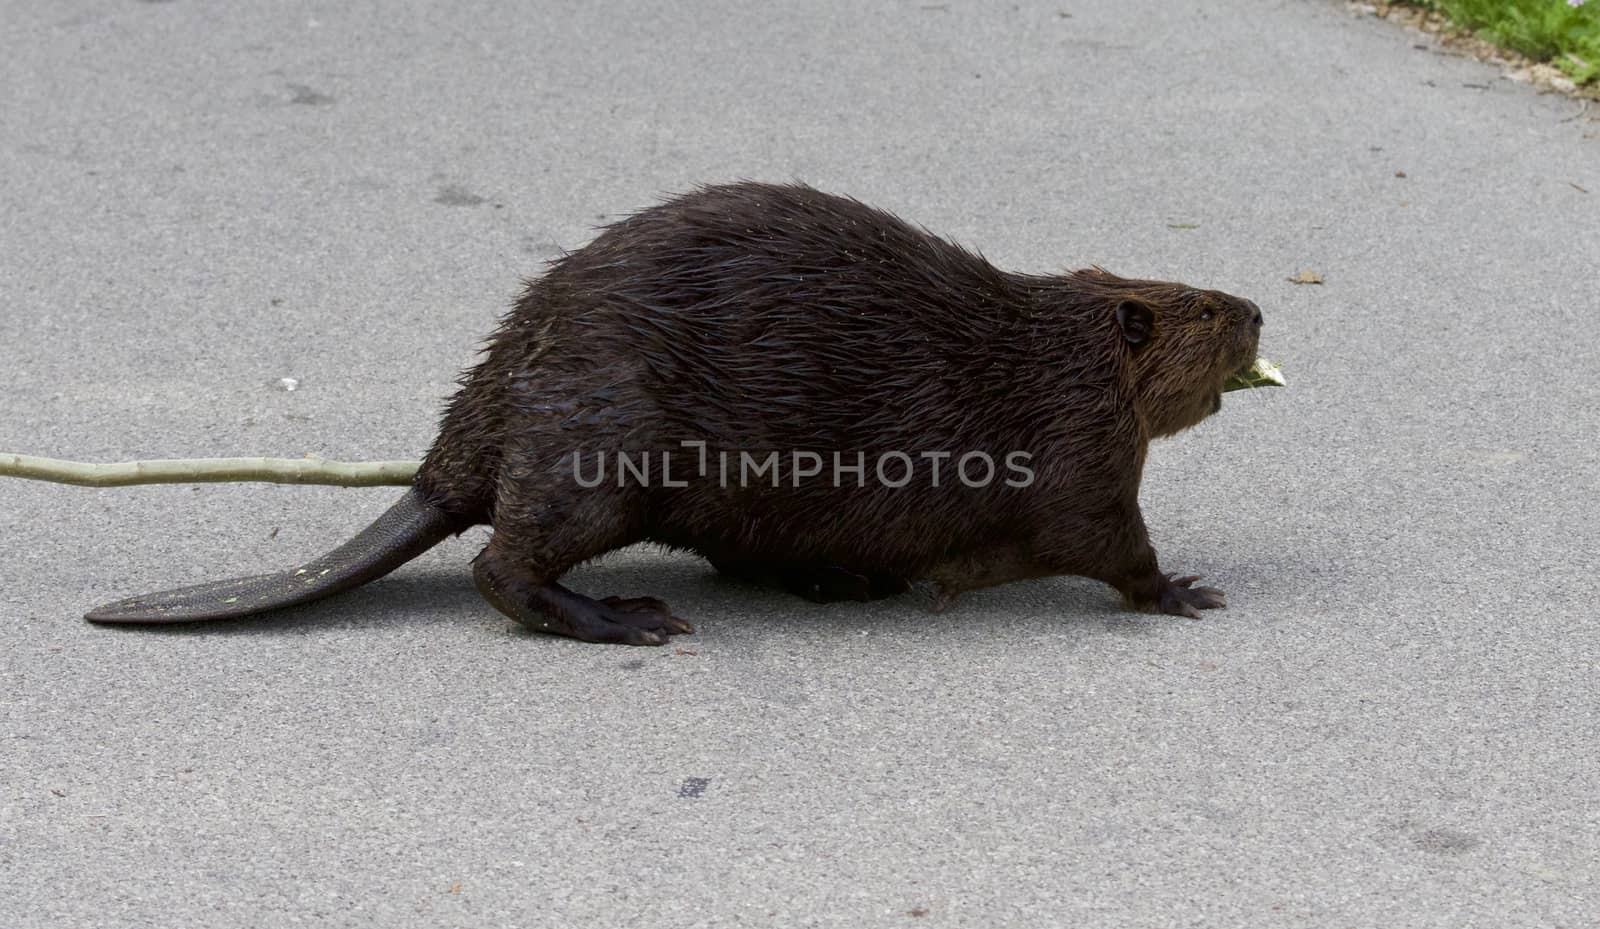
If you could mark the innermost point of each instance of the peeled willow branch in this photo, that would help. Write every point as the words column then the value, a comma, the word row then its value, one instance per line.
column 209, row 470
column 1263, row 373
column 315, row 470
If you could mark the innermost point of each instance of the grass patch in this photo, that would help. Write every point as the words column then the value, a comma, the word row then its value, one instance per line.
column 1566, row 36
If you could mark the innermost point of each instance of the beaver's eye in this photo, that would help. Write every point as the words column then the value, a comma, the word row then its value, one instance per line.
column 1206, row 313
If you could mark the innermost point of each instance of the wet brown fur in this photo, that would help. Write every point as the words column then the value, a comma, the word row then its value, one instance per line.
column 760, row 317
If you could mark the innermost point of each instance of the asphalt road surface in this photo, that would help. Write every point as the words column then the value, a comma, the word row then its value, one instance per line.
column 1393, row 724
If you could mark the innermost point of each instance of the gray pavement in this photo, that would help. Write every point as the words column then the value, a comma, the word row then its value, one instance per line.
column 1394, row 724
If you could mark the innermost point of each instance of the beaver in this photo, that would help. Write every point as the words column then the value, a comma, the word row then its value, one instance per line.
column 839, row 355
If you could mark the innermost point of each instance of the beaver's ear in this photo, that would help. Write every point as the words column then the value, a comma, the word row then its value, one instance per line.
column 1136, row 319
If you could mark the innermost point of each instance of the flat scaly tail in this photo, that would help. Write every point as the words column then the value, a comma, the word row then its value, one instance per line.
column 404, row 531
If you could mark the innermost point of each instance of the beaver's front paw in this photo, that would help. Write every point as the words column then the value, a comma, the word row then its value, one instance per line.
column 1180, row 598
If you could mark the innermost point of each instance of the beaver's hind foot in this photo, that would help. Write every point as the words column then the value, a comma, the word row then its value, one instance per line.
column 545, row 606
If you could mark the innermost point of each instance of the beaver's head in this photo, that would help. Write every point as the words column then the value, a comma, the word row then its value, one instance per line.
column 1182, row 344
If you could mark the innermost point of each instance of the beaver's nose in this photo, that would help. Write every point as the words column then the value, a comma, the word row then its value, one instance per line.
column 1255, row 313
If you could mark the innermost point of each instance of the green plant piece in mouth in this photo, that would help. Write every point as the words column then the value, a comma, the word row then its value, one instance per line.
column 1263, row 373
